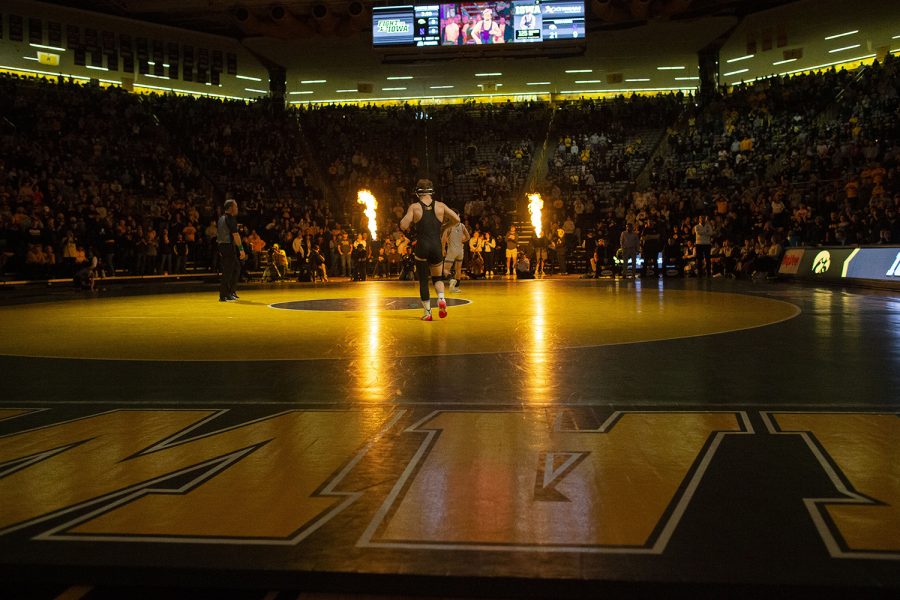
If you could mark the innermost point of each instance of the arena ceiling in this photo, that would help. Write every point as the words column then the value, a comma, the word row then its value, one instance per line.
column 249, row 18
column 631, row 45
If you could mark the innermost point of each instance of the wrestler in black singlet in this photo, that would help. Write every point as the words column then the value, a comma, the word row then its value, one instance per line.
column 428, row 236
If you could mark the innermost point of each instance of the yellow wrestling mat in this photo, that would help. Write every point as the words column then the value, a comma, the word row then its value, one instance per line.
column 535, row 317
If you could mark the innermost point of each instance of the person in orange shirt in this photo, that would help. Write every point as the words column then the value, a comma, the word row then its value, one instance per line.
column 257, row 245
column 851, row 188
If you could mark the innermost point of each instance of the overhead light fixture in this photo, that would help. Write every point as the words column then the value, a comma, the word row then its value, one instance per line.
column 670, row 68
column 687, row 79
column 189, row 92
column 784, row 62
column 836, row 36
column 740, row 58
column 151, row 63
column 32, row 58
column 97, row 68
column 583, row 81
column 481, row 85
column 440, row 87
column 626, row 90
column 844, row 48
column 157, row 76
column 393, row 89
column 638, row 79
column 312, row 81
column 247, row 77
column 56, row 48
column 896, row 37
column 831, row 64
column 258, row 91
column 538, row 83
column 488, row 74
column 300, row 92
column 345, row 91
column 580, row 71
column 738, row 72
column 399, row 78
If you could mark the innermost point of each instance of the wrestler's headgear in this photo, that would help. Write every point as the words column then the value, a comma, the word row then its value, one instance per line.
column 424, row 187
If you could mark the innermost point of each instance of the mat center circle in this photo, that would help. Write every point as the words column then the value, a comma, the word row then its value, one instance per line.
column 361, row 304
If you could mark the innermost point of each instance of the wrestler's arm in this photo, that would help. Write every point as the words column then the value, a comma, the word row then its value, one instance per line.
column 408, row 218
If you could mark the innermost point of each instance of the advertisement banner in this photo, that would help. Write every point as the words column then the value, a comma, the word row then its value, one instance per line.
column 824, row 263
column 790, row 263
column 873, row 263
column 878, row 263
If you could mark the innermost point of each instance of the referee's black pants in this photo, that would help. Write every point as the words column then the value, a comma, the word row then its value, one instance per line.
column 231, row 270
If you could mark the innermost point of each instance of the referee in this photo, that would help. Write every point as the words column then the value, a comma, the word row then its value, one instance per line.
column 229, row 241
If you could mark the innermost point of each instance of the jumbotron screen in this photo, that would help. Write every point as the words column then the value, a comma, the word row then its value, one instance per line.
column 478, row 23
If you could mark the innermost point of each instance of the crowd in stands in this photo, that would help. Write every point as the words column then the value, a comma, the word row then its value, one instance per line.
column 806, row 160
column 137, row 182
column 103, row 179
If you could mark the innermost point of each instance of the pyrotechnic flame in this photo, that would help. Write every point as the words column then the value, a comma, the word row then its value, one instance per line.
column 535, row 204
column 366, row 197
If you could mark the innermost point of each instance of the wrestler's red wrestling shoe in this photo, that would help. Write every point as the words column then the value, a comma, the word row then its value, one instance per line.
column 442, row 308
column 426, row 316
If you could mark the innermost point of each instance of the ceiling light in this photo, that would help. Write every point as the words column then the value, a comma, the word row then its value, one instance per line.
column 638, row 79
column 97, row 68
column 738, row 72
column 310, row 81
column 405, row 77
column 626, row 90
column 538, row 83
column 258, row 91
column 345, row 91
column 57, row 48
column 247, row 77
column 844, row 48
column 441, row 87
column 488, row 74
column 78, row 77
column 582, row 81
column 831, row 64
column 299, row 92
column 834, row 37
column 32, row 58
column 670, row 68
column 784, row 62
column 687, row 79
column 731, row 60
column 580, row 71
column 393, row 89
